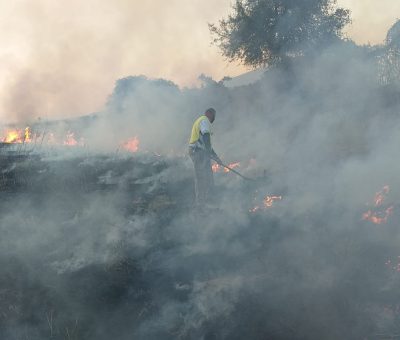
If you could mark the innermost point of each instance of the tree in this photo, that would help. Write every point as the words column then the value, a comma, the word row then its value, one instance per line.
column 266, row 32
column 389, row 57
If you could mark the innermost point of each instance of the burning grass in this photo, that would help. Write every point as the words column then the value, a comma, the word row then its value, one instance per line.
column 109, row 247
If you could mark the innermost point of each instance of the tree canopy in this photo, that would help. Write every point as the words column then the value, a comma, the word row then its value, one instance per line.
column 265, row 32
column 393, row 36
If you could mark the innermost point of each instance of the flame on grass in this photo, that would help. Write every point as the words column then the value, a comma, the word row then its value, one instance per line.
column 131, row 145
column 379, row 215
column 218, row 168
column 20, row 136
column 17, row 136
column 268, row 202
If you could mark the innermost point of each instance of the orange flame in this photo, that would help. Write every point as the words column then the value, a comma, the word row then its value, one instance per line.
column 380, row 196
column 27, row 135
column 232, row 166
column 70, row 139
column 215, row 167
column 12, row 136
column 17, row 136
column 379, row 217
column 218, row 168
column 132, row 145
column 269, row 200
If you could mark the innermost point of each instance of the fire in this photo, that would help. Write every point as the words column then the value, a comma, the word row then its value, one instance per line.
column 268, row 202
column 218, row 168
column 232, row 166
column 379, row 216
column 27, row 135
column 132, row 145
column 12, row 136
column 17, row 136
column 70, row 139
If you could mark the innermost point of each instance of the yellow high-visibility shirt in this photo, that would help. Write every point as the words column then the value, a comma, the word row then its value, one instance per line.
column 201, row 126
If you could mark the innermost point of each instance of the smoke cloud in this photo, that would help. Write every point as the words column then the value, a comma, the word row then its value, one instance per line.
column 98, row 244
column 60, row 60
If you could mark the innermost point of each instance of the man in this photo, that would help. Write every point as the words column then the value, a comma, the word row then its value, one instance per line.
column 201, row 153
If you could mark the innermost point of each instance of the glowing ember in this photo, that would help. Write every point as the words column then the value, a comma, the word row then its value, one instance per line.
column 132, row 145
column 379, row 216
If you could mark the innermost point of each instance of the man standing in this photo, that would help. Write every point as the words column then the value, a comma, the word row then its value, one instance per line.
column 201, row 153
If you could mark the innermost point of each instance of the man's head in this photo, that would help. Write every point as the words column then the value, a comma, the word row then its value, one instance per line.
column 210, row 114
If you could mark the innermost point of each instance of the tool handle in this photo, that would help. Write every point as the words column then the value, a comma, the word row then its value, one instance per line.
column 234, row 171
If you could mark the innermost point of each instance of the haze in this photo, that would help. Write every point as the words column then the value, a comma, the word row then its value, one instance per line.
column 61, row 59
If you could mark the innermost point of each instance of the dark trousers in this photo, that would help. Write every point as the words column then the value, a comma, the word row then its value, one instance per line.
column 203, row 175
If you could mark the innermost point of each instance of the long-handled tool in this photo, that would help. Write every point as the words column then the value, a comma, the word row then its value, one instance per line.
column 234, row 171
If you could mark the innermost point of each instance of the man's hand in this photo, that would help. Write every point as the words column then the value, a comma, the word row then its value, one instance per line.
column 215, row 157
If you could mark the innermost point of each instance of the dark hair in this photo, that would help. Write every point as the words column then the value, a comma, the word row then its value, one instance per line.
column 211, row 110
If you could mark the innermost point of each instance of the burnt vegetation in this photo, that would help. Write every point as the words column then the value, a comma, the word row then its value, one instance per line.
column 107, row 245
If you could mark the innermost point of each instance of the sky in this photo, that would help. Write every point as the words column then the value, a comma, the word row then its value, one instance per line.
column 61, row 59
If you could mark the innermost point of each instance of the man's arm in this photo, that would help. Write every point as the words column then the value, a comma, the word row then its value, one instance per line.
column 209, row 149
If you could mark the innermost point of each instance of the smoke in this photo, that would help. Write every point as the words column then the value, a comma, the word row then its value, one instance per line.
column 60, row 60
column 109, row 246
column 326, row 132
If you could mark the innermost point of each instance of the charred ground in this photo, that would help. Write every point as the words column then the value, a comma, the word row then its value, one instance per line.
column 103, row 247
